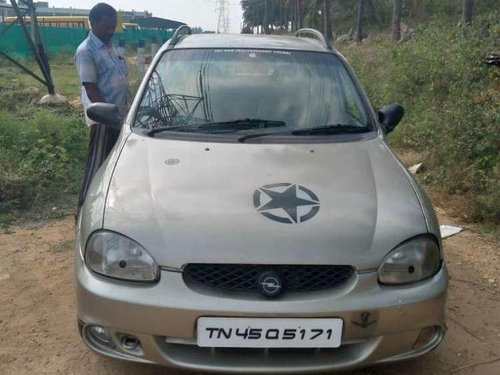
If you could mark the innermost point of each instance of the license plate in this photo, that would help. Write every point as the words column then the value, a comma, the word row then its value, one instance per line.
column 269, row 333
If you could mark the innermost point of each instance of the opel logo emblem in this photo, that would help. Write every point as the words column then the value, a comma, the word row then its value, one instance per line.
column 286, row 203
column 269, row 284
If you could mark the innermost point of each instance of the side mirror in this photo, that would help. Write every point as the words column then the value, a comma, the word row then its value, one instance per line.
column 390, row 115
column 105, row 114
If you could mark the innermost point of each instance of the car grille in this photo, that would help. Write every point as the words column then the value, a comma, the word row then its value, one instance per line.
column 243, row 277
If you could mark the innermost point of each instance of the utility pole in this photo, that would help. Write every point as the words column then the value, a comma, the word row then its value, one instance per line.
column 222, row 7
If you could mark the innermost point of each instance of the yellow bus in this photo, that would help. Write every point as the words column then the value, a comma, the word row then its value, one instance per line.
column 130, row 25
column 73, row 22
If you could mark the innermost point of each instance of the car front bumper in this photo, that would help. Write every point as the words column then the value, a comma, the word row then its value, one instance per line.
column 381, row 323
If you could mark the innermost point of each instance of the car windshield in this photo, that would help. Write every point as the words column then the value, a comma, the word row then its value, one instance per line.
column 245, row 92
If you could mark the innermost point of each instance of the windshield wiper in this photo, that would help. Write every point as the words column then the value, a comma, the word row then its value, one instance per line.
column 331, row 129
column 328, row 129
column 242, row 124
column 243, row 138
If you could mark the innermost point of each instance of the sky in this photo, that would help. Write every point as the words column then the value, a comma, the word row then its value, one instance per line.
column 199, row 13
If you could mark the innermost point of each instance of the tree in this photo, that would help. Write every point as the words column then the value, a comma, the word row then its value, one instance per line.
column 468, row 8
column 327, row 19
column 265, row 20
column 287, row 15
column 298, row 14
column 396, row 20
column 375, row 11
column 359, row 21
column 313, row 14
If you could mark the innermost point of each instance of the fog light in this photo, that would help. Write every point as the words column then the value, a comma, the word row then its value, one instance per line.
column 129, row 343
column 426, row 335
column 100, row 335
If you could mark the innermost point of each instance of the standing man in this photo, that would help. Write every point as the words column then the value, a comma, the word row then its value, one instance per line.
column 103, row 75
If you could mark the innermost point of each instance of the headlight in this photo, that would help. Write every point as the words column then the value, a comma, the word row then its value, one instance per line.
column 412, row 261
column 114, row 255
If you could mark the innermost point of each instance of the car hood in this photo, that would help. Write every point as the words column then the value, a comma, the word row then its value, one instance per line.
column 196, row 202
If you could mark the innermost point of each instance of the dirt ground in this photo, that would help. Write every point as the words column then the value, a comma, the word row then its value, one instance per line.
column 38, row 319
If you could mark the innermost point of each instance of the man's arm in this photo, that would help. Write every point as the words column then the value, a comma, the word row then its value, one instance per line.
column 93, row 92
column 87, row 72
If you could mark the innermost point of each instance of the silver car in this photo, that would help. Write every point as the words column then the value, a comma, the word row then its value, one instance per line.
column 252, row 218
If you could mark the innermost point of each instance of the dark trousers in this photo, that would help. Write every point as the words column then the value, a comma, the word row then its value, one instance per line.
column 101, row 138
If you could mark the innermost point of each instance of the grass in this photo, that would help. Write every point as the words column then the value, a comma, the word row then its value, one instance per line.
column 452, row 122
column 452, row 102
column 43, row 148
column 62, row 247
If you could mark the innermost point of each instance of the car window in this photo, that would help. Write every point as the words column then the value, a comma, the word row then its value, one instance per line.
column 302, row 89
column 352, row 104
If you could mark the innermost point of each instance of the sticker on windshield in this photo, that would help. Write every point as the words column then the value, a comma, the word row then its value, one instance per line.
column 253, row 53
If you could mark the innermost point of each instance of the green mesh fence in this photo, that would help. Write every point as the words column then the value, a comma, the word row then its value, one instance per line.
column 64, row 39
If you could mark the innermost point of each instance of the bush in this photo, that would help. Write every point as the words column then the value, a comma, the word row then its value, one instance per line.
column 452, row 106
column 42, row 156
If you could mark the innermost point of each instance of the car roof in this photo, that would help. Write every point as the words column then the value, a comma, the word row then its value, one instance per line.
column 280, row 42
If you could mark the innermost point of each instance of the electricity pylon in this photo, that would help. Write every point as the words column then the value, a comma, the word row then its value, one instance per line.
column 222, row 7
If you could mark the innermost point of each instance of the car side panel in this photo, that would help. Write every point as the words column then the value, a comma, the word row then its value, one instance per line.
column 91, row 214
